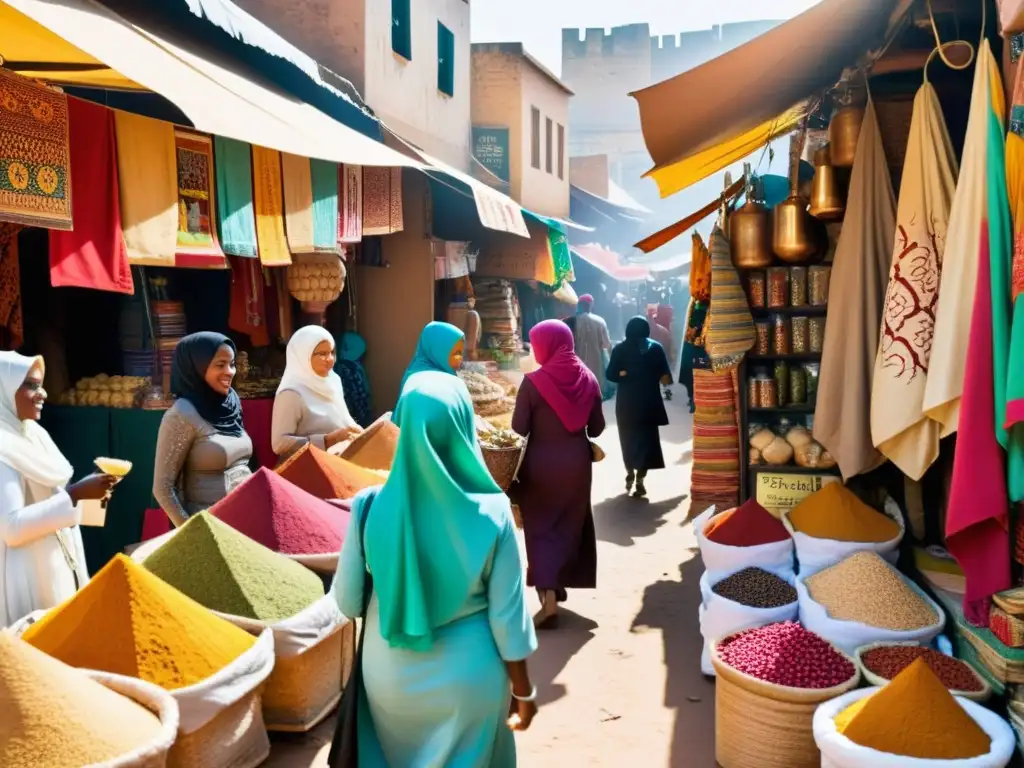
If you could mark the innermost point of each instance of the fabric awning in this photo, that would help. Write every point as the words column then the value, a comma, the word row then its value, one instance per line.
column 610, row 263
column 741, row 99
column 214, row 98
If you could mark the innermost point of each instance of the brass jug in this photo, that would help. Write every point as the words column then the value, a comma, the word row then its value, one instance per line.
column 843, row 134
column 793, row 234
column 827, row 203
column 750, row 230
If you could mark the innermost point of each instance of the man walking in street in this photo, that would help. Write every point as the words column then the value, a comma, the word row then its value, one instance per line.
column 592, row 341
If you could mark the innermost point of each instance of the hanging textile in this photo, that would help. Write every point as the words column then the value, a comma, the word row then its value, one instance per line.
column 899, row 428
column 298, row 202
column 197, row 209
column 977, row 522
column 268, row 200
column 147, row 174
column 325, row 205
column 94, row 254
column 730, row 331
column 700, row 269
column 715, row 477
column 1014, row 415
column 236, row 219
column 382, row 201
column 842, row 416
column 11, row 323
column 35, row 154
column 248, row 311
column 283, row 299
column 350, row 204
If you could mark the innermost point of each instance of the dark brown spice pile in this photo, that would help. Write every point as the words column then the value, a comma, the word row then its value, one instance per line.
column 756, row 588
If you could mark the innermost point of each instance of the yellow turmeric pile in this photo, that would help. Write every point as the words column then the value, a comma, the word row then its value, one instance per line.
column 914, row 716
column 835, row 512
column 129, row 622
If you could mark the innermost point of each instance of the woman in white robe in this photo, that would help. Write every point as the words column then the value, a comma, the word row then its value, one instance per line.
column 42, row 559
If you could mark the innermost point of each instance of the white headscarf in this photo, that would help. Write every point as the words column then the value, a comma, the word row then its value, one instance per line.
column 323, row 395
column 24, row 445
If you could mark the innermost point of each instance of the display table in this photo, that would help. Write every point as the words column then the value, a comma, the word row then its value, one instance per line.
column 83, row 433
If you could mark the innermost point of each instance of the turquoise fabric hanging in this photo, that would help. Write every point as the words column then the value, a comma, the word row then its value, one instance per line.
column 325, row 204
column 236, row 218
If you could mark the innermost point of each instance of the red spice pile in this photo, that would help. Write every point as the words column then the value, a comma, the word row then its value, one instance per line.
column 326, row 476
column 269, row 509
column 786, row 654
column 748, row 525
column 889, row 661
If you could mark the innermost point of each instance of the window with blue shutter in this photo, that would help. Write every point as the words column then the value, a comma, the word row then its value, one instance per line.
column 401, row 28
column 445, row 60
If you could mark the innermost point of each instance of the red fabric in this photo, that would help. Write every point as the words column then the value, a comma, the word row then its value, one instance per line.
column 977, row 521
column 256, row 417
column 282, row 517
column 325, row 475
column 248, row 313
column 565, row 383
column 94, row 254
column 155, row 523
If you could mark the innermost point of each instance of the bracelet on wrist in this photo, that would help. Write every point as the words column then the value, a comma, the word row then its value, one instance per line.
column 531, row 697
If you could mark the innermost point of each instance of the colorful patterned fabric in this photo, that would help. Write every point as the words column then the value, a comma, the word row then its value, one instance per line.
column 700, row 270
column 730, row 326
column 269, row 201
column 382, row 201
column 197, row 244
column 11, row 326
column 35, row 154
column 715, row 477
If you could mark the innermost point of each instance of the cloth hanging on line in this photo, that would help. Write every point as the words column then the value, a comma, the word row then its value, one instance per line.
column 899, row 428
column 248, row 311
column 382, row 201
column 147, row 173
column 730, row 326
column 11, row 323
column 35, row 154
column 94, row 254
column 197, row 209
column 236, row 217
column 715, row 476
column 325, row 205
column 350, row 203
column 298, row 202
column 269, row 202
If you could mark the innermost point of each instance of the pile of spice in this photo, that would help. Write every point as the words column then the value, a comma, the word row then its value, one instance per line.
column 786, row 654
column 325, row 475
column 129, row 622
column 748, row 525
column 889, row 660
column 866, row 589
column 835, row 512
column 756, row 588
column 914, row 716
column 226, row 571
column 52, row 716
column 375, row 448
column 282, row 517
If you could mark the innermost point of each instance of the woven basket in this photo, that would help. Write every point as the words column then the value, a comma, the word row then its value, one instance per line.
column 157, row 701
column 302, row 690
column 236, row 738
column 1007, row 627
column 503, row 464
column 762, row 725
column 871, row 677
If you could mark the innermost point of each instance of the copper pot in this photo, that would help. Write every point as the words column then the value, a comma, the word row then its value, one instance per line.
column 793, row 233
column 750, row 233
column 827, row 203
column 843, row 134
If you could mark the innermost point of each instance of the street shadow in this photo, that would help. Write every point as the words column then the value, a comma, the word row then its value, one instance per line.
column 623, row 519
column 557, row 646
column 671, row 606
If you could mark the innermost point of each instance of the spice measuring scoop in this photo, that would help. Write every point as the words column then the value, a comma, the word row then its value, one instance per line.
column 94, row 511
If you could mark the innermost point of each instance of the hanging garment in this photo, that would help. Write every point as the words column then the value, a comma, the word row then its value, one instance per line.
column 1014, row 414
column 93, row 255
column 730, row 326
column 268, row 200
column 382, row 201
column 35, row 185
column 324, row 176
column 197, row 203
column 236, row 218
column 248, row 312
column 842, row 417
column 899, row 428
column 298, row 202
column 715, row 476
column 11, row 324
column 350, row 203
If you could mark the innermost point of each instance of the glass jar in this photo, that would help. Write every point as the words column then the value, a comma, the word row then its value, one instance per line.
column 756, row 289
column 798, row 286
column 767, row 393
column 818, row 280
column 778, row 287
column 813, row 370
column 798, row 386
column 762, row 337
column 816, row 335
column 782, row 381
column 753, row 392
column 799, row 332
column 780, row 335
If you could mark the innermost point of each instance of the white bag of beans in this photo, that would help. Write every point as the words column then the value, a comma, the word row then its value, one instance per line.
column 837, row 751
column 813, row 554
column 721, row 560
column 721, row 617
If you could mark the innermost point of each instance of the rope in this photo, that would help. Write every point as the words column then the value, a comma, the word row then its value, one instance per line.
column 940, row 47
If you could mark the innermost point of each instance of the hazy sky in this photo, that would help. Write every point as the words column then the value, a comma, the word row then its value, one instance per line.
column 538, row 23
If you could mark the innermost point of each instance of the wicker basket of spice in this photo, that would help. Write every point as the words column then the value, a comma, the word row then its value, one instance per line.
column 880, row 662
column 769, row 682
column 503, row 452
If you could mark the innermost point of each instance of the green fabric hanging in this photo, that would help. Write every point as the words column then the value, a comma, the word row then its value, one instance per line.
column 236, row 218
column 325, row 204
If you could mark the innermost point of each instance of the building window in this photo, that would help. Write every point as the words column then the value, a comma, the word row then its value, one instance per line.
column 561, row 151
column 549, row 142
column 535, row 137
column 401, row 28
column 445, row 60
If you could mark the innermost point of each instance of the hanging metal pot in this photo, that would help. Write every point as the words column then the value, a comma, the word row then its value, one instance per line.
column 793, row 233
column 844, row 132
column 827, row 201
column 750, row 230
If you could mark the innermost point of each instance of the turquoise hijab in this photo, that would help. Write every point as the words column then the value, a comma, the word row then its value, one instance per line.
column 435, row 523
column 435, row 346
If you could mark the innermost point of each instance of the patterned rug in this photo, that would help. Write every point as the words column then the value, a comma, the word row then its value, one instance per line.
column 715, row 475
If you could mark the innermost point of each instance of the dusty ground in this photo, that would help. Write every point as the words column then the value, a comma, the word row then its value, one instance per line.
column 619, row 682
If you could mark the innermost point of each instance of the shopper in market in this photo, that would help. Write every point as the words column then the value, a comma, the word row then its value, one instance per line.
column 202, row 449
column 559, row 409
column 440, row 348
column 447, row 632
column 310, row 405
column 640, row 368
column 592, row 340
column 42, row 559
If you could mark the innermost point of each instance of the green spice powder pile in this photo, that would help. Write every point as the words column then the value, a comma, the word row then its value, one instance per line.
column 226, row 571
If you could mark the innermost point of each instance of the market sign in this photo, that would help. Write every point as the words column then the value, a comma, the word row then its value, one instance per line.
column 779, row 492
column 490, row 148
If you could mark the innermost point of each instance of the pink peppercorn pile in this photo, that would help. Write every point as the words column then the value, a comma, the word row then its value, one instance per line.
column 786, row 654
column 889, row 661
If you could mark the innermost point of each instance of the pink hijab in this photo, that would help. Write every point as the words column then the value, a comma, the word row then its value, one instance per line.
column 565, row 383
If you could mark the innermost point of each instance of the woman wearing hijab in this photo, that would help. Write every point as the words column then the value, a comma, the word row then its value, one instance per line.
column 447, row 632
column 42, row 559
column 440, row 348
column 559, row 408
column 640, row 368
column 310, row 404
column 202, row 450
